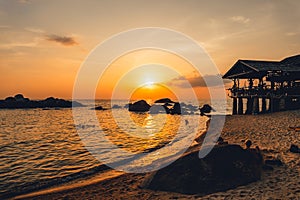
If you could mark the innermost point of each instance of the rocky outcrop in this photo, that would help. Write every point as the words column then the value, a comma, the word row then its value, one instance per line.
column 225, row 167
column 164, row 100
column 176, row 109
column 139, row 106
column 19, row 101
column 205, row 109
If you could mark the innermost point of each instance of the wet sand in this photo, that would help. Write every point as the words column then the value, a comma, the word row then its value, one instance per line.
column 268, row 131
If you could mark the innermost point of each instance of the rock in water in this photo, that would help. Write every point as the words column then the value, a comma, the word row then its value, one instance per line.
column 100, row 108
column 205, row 109
column 139, row 106
column 164, row 100
column 176, row 109
column 225, row 167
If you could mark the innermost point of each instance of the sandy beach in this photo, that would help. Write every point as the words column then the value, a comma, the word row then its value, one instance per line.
column 268, row 131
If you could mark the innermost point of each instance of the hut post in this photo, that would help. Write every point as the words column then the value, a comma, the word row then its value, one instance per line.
column 282, row 103
column 234, row 106
column 240, row 108
column 271, row 104
column 263, row 105
column 276, row 102
column 255, row 105
column 249, row 106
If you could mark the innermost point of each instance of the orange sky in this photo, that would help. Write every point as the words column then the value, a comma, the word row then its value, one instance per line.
column 150, row 73
column 43, row 43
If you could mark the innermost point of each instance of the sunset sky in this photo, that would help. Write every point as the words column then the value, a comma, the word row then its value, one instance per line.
column 44, row 43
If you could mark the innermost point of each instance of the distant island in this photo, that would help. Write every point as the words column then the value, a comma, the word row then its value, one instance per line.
column 19, row 102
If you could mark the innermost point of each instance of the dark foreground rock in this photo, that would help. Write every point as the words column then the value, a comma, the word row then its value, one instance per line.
column 225, row 167
column 274, row 161
column 139, row 106
column 19, row 101
column 294, row 148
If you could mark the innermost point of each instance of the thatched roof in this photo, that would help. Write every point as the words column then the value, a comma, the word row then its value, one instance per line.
column 257, row 69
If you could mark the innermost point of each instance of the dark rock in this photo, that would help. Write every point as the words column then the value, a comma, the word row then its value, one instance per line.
column 176, row 109
column 10, row 99
column 164, row 100
column 139, row 106
column 100, row 108
column 275, row 162
column 225, row 167
column 205, row 109
column 267, row 168
column 19, row 97
column 52, row 102
column 294, row 149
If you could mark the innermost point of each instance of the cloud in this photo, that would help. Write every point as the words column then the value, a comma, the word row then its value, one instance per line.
column 63, row 40
column 291, row 33
column 4, row 26
column 240, row 19
column 24, row 1
column 198, row 81
column 18, row 44
column 34, row 30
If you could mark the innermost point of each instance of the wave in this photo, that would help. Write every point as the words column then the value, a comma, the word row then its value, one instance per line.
column 46, row 183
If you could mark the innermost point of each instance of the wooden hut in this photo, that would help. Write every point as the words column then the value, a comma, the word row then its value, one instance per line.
column 267, row 86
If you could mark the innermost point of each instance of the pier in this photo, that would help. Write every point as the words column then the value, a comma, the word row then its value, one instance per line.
column 265, row 86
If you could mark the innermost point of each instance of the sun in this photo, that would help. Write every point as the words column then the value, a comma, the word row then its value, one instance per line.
column 149, row 85
column 152, row 91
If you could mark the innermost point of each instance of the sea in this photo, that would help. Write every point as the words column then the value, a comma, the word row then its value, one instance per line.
column 40, row 148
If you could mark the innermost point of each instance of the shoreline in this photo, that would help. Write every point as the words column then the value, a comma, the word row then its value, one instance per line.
column 268, row 131
column 75, row 184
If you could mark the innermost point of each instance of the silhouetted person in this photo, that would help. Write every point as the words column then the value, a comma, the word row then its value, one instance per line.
column 221, row 141
column 255, row 151
column 248, row 144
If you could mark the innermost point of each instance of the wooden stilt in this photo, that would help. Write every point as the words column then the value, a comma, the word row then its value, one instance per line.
column 282, row 104
column 249, row 106
column 240, row 108
column 234, row 106
column 255, row 105
column 275, row 105
column 263, row 105
column 271, row 104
